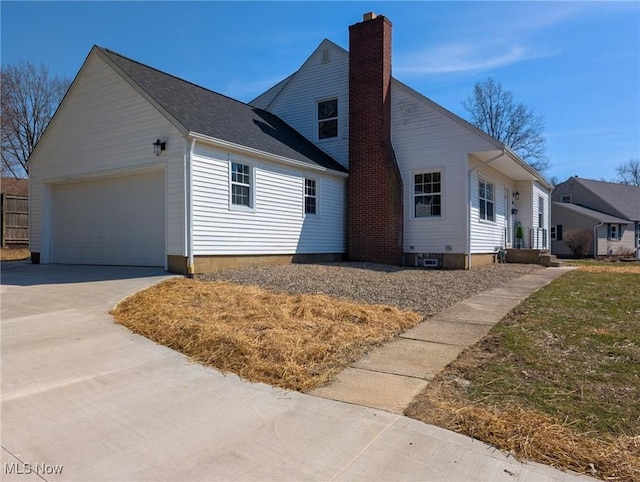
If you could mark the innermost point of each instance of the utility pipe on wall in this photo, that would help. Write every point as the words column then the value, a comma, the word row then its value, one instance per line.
column 190, row 257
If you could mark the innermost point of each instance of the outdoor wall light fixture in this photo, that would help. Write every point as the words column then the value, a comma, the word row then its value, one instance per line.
column 159, row 146
column 516, row 195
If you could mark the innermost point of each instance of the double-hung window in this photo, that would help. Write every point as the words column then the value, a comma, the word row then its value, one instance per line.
column 241, row 185
column 327, row 117
column 427, row 195
column 613, row 232
column 310, row 196
column 486, row 197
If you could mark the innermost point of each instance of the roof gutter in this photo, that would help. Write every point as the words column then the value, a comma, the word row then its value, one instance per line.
column 262, row 154
column 470, row 171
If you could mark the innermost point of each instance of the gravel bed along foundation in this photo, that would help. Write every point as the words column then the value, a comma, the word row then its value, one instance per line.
column 425, row 291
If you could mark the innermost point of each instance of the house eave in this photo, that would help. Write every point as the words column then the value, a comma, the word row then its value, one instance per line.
column 250, row 151
column 511, row 165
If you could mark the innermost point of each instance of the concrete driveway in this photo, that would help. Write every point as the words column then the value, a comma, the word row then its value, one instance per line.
column 87, row 398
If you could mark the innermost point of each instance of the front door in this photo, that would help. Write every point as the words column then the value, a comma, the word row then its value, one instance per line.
column 508, row 221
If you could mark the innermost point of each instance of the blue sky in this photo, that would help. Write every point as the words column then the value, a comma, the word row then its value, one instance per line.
column 575, row 63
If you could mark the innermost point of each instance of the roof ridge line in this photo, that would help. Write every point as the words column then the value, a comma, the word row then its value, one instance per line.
column 174, row 76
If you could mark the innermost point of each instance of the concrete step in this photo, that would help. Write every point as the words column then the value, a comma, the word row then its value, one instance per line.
column 550, row 261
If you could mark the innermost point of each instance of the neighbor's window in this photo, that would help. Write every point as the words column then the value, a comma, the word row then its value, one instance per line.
column 556, row 233
column 486, row 196
column 327, row 119
column 613, row 233
column 427, row 195
column 566, row 198
column 310, row 196
column 241, row 185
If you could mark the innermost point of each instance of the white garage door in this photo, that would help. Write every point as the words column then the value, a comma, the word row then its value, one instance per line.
column 116, row 221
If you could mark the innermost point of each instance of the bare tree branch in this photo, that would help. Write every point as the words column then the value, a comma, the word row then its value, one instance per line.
column 29, row 98
column 629, row 173
column 493, row 110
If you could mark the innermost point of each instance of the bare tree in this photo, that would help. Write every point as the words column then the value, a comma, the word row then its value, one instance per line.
column 629, row 172
column 30, row 97
column 493, row 110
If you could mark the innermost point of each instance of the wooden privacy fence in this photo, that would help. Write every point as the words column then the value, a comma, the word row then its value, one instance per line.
column 15, row 220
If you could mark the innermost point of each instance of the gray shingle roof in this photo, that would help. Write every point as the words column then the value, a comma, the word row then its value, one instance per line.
column 205, row 112
column 625, row 199
column 590, row 213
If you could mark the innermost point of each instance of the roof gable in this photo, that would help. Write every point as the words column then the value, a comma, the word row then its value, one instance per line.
column 590, row 213
column 214, row 115
column 623, row 200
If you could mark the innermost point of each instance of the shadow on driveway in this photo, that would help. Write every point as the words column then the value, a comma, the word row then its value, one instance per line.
column 24, row 273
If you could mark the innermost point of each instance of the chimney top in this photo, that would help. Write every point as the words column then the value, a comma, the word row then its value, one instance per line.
column 369, row 16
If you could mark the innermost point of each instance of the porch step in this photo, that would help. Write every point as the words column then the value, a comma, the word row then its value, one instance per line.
column 550, row 261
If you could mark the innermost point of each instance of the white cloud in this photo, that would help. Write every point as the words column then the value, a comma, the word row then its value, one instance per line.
column 464, row 57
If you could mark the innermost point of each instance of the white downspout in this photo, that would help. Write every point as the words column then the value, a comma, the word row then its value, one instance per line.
column 595, row 239
column 485, row 163
column 189, row 168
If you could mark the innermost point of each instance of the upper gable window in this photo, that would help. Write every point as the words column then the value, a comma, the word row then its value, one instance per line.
column 566, row 198
column 327, row 116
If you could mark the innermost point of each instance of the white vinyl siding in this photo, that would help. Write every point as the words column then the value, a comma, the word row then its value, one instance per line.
column 315, row 81
column 425, row 140
column 277, row 224
column 487, row 235
column 103, row 128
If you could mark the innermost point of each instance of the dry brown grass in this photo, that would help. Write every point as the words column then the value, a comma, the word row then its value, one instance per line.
column 633, row 267
column 295, row 342
column 531, row 435
column 14, row 254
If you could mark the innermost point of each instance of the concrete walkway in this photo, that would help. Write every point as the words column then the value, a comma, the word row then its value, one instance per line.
column 84, row 399
column 391, row 376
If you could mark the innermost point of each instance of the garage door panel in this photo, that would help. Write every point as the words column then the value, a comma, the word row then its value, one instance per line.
column 118, row 221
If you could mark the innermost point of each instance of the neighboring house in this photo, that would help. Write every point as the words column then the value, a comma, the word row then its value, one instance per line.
column 610, row 211
column 227, row 183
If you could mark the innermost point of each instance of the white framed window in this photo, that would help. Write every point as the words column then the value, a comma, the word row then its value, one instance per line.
column 241, row 182
column 310, row 196
column 556, row 232
column 565, row 198
column 427, row 194
column 613, row 232
column 327, row 118
column 486, row 197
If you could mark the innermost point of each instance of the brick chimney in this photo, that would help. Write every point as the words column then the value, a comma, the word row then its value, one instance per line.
column 375, row 193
